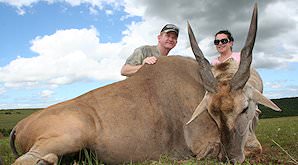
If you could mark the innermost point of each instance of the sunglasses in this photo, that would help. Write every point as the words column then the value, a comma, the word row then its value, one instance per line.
column 223, row 41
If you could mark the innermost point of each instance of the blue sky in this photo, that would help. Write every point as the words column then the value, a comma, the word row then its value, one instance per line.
column 52, row 51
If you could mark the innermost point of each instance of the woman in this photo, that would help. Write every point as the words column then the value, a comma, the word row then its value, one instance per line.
column 224, row 42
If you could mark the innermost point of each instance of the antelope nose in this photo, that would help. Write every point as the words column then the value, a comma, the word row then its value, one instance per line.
column 236, row 160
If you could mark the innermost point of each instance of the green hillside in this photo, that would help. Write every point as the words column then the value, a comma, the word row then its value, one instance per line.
column 289, row 107
column 9, row 117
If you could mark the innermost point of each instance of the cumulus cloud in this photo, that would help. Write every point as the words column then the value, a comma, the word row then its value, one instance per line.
column 280, row 90
column 64, row 57
column 46, row 93
column 95, row 4
column 134, row 7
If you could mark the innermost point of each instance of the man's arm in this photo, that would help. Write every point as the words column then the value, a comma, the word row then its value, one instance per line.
column 129, row 70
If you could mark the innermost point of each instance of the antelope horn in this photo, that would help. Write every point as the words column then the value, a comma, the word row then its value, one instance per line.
column 243, row 72
column 207, row 77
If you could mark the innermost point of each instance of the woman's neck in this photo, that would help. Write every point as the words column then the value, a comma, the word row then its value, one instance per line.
column 225, row 55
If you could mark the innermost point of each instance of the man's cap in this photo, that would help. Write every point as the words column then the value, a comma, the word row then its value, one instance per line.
column 170, row 28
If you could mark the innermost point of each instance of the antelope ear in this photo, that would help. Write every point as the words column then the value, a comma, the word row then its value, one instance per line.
column 261, row 99
column 200, row 108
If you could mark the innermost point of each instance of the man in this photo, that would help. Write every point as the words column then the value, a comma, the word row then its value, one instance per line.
column 167, row 40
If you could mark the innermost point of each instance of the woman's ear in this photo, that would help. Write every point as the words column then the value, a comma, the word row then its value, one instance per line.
column 232, row 43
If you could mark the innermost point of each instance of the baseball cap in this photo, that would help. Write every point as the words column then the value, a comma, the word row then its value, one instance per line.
column 170, row 28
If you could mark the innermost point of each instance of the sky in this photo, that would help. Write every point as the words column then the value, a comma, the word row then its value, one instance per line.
column 55, row 50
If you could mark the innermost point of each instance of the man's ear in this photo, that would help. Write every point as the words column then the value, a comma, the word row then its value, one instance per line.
column 159, row 36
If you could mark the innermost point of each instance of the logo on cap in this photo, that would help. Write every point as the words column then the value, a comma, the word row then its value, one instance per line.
column 170, row 28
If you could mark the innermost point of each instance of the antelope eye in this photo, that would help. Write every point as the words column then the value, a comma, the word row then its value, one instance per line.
column 215, row 111
column 245, row 110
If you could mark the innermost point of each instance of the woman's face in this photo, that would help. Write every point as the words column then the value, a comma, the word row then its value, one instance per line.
column 223, row 47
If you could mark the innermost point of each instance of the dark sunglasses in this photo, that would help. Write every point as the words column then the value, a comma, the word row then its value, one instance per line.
column 223, row 41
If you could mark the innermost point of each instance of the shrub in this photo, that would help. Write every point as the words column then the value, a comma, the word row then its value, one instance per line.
column 5, row 132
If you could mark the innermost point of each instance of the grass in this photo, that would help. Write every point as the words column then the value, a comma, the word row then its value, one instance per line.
column 292, row 158
column 5, row 151
column 9, row 118
column 283, row 131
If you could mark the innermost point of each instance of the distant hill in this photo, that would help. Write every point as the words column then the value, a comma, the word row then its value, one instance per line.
column 9, row 117
column 289, row 107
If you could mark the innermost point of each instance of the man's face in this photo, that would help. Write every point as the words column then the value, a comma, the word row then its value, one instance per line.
column 168, row 40
column 223, row 47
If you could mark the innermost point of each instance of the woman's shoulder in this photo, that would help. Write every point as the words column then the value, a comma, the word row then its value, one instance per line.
column 215, row 61
column 236, row 56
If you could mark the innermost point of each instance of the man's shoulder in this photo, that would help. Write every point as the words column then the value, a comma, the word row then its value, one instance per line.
column 148, row 47
column 148, row 50
column 141, row 53
column 145, row 50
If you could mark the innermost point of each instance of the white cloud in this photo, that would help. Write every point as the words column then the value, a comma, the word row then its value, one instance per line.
column 65, row 57
column 93, row 11
column 2, row 90
column 74, row 55
column 20, row 3
column 134, row 7
column 275, row 85
column 100, row 4
column 109, row 12
column 46, row 93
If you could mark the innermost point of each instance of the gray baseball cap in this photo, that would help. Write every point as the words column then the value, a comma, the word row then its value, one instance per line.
column 170, row 28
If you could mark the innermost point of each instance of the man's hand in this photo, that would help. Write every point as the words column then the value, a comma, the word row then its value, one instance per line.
column 129, row 70
column 150, row 60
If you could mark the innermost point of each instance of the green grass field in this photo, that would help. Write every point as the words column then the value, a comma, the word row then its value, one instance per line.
column 9, row 118
column 281, row 130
